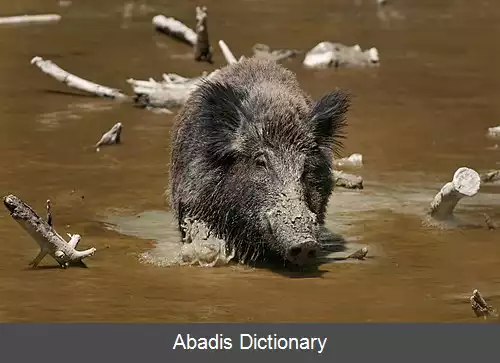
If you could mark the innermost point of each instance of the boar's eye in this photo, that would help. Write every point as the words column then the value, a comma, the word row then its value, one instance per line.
column 260, row 160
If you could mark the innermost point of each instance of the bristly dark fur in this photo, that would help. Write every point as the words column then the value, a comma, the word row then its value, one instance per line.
column 239, row 138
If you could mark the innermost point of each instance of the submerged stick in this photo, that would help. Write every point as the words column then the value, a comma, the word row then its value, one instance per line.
column 50, row 242
column 175, row 29
column 480, row 307
column 489, row 222
column 466, row 183
column 53, row 70
column 202, row 48
column 22, row 19
column 265, row 52
column 491, row 176
column 111, row 137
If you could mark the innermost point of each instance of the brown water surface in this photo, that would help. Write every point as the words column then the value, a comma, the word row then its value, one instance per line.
column 416, row 119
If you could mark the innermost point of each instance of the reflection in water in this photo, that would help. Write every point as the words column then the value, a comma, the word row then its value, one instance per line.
column 416, row 119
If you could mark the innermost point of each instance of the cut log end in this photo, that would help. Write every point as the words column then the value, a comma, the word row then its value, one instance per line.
column 466, row 183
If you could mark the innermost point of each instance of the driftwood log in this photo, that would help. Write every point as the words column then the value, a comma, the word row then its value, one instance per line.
column 354, row 161
column 50, row 242
column 346, row 180
column 337, row 55
column 480, row 308
column 111, row 137
column 466, row 183
column 53, row 70
column 202, row 48
column 24, row 19
column 198, row 38
column 174, row 90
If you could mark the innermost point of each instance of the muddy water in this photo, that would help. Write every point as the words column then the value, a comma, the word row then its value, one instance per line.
column 416, row 119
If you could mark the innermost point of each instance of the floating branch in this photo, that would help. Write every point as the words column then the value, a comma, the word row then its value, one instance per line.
column 175, row 28
column 491, row 176
column 111, row 137
column 328, row 54
column 264, row 51
column 172, row 92
column 494, row 132
column 348, row 181
column 50, row 242
column 466, row 183
column 22, row 19
column 480, row 307
column 202, row 49
column 53, row 70
column 355, row 161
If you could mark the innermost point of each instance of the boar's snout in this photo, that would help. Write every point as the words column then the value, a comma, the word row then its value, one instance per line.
column 294, row 228
column 301, row 253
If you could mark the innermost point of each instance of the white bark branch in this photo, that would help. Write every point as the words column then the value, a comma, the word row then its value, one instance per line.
column 228, row 55
column 176, row 29
column 466, row 183
column 50, row 242
column 53, row 70
column 22, row 19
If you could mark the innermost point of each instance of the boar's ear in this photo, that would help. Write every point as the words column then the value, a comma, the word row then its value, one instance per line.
column 328, row 120
column 222, row 117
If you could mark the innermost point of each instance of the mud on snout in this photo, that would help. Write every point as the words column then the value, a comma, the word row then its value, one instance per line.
column 294, row 229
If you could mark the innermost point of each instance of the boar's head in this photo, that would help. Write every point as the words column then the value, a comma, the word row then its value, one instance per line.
column 253, row 161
